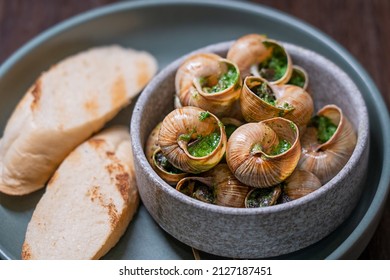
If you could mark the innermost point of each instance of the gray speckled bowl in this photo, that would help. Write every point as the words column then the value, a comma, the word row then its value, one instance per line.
column 261, row 232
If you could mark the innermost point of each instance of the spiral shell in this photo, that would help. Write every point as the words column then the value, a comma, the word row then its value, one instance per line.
column 159, row 162
column 228, row 189
column 263, row 197
column 152, row 143
column 251, row 152
column 199, row 188
column 259, row 56
column 326, row 159
column 217, row 186
column 287, row 101
column 299, row 77
column 247, row 51
column 182, row 129
column 165, row 169
column 208, row 81
column 300, row 183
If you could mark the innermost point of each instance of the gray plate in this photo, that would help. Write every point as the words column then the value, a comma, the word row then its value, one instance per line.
column 150, row 25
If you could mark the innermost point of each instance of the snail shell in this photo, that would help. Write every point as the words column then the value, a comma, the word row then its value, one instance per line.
column 228, row 189
column 247, row 51
column 218, row 186
column 165, row 169
column 152, row 143
column 300, row 183
column 290, row 102
column 299, row 77
column 158, row 161
column 263, row 197
column 199, row 188
column 208, row 81
column 326, row 159
column 185, row 127
column 252, row 53
column 250, row 152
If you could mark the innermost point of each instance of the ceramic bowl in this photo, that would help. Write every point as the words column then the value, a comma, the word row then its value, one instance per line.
column 259, row 232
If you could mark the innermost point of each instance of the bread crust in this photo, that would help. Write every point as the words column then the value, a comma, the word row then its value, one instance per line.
column 88, row 203
column 64, row 107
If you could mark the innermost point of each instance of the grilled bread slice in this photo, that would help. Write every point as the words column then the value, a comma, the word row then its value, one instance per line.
column 66, row 105
column 88, row 202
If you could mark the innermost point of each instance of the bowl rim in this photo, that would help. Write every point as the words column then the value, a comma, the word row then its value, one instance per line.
column 362, row 136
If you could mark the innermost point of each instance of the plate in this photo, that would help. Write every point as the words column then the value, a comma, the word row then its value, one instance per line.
column 149, row 25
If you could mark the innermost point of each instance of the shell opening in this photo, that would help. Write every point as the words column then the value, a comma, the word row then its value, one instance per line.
column 265, row 92
column 298, row 78
column 262, row 197
column 162, row 163
column 274, row 67
column 204, row 145
column 213, row 84
column 325, row 128
column 197, row 189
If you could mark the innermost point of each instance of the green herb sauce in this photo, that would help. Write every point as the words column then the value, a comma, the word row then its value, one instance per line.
column 297, row 79
column 261, row 197
column 265, row 93
column 163, row 162
column 224, row 82
column 205, row 145
column 325, row 128
column 275, row 66
column 229, row 129
column 286, row 106
column 282, row 147
column 187, row 137
column 204, row 115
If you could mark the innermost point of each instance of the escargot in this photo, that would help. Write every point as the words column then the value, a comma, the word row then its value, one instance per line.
column 257, row 55
column 299, row 77
column 327, row 143
column 208, row 81
column 217, row 186
column 260, row 101
column 264, row 154
column 159, row 162
column 193, row 140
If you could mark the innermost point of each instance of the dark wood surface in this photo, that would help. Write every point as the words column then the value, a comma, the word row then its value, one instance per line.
column 361, row 26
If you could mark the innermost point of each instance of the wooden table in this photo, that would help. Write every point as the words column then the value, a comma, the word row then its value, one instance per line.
column 360, row 26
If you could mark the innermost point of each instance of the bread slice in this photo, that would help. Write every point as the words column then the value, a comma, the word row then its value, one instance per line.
column 88, row 202
column 65, row 106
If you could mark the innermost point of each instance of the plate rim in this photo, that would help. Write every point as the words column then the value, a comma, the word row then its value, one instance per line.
column 370, row 219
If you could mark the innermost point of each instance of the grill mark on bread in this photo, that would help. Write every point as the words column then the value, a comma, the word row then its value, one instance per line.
column 115, row 168
column 110, row 154
column 123, row 184
column 96, row 142
column 112, row 211
column 94, row 194
column 113, row 214
column 122, row 178
column 36, row 93
column 26, row 251
column 118, row 92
